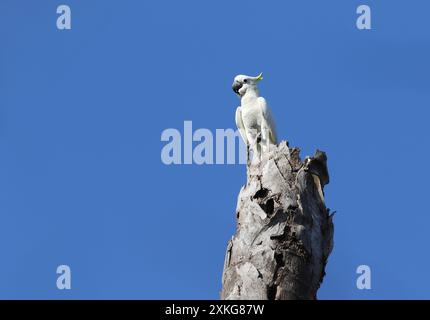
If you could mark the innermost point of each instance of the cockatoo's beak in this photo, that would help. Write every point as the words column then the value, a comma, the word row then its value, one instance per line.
column 236, row 87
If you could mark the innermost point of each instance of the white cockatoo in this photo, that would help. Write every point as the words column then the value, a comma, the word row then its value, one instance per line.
column 253, row 117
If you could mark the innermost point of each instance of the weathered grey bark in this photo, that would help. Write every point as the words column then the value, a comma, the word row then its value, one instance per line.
column 284, row 230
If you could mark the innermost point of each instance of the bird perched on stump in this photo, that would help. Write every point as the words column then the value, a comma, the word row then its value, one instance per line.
column 253, row 117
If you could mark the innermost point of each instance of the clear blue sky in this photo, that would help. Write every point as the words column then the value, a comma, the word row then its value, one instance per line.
column 82, row 111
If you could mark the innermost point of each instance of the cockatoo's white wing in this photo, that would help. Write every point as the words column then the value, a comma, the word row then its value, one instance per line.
column 240, row 125
column 268, row 123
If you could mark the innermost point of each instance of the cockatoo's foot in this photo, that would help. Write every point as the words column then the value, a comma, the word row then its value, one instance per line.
column 256, row 157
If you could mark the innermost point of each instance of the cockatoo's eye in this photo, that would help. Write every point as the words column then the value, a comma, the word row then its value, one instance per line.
column 245, row 80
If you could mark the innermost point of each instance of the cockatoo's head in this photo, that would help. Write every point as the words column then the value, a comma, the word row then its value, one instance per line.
column 244, row 83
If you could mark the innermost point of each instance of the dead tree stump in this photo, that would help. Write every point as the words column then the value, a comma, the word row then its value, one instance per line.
column 284, row 230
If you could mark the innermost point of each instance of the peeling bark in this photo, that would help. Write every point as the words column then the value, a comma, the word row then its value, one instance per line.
column 284, row 230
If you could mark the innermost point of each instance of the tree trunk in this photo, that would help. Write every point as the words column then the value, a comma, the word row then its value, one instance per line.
column 284, row 230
